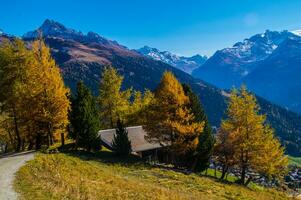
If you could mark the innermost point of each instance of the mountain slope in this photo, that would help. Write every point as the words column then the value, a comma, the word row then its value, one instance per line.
column 186, row 64
column 79, row 175
column 80, row 59
column 278, row 77
column 227, row 67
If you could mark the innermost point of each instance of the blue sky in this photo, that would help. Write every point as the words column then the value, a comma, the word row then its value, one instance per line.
column 183, row 27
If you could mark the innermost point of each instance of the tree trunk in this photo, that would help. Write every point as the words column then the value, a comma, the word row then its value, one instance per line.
column 62, row 139
column 76, row 141
column 38, row 141
column 50, row 136
column 224, row 172
column 5, row 148
column 30, row 146
column 12, row 141
column 214, row 171
column 194, row 164
column 48, row 139
column 18, row 146
column 243, row 174
column 23, row 144
column 248, row 181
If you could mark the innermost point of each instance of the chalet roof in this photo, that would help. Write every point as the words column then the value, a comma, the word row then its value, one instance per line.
column 136, row 135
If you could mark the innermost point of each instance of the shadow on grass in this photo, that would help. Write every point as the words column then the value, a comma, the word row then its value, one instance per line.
column 107, row 156
column 104, row 156
column 13, row 154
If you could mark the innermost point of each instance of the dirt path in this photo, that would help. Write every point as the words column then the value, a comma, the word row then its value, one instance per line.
column 9, row 165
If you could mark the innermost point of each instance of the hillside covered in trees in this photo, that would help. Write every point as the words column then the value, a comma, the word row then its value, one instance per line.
column 83, row 57
column 37, row 111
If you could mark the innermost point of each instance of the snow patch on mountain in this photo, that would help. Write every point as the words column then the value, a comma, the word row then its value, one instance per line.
column 186, row 64
column 227, row 67
column 258, row 47
column 297, row 32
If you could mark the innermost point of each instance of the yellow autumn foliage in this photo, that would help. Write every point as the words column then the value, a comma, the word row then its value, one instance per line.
column 169, row 121
column 252, row 139
column 34, row 95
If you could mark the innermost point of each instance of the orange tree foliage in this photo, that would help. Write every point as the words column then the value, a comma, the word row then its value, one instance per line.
column 34, row 96
column 252, row 140
column 169, row 121
column 15, row 61
column 50, row 93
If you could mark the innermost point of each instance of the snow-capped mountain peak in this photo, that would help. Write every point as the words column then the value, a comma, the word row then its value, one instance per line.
column 227, row 67
column 186, row 64
column 297, row 32
column 257, row 47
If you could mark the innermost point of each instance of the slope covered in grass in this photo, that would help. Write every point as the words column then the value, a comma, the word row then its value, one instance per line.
column 294, row 161
column 84, row 176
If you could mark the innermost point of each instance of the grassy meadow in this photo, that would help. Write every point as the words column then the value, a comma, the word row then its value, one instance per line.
column 79, row 175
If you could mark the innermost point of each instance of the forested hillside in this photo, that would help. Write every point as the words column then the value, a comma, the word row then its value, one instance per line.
column 83, row 57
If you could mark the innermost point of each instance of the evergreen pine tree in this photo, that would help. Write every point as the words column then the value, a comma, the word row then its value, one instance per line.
column 84, row 119
column 121, row 143
column 205, row 146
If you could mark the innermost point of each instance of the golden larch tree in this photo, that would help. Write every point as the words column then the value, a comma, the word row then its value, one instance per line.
column 33, row 96
column 113, row 103
column 169, row 121
column 51, row 103
column 256, row 148
column 15, row 61
column 138, row 108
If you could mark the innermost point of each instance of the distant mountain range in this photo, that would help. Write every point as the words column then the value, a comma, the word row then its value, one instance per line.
column 186, row 64
column 269, row 64
column 227, row 67
column 84, row 56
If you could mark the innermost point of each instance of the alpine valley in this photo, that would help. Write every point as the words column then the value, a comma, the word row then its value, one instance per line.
column 84, row 56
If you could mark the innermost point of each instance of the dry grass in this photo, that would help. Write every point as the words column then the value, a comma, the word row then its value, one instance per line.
column 83, row 176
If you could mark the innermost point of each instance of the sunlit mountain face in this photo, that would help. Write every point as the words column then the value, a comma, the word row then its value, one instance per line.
column 186, row 64
column 267, row 63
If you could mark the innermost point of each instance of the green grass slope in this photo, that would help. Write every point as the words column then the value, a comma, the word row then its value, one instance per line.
column 294, row 161
column 101, row 176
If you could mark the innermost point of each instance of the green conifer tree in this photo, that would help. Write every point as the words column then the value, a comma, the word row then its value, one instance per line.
column 84, row 119
column 205, row 145
column 121, row 143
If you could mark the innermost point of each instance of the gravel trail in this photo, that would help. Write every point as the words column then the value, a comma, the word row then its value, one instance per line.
column 9, row 165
